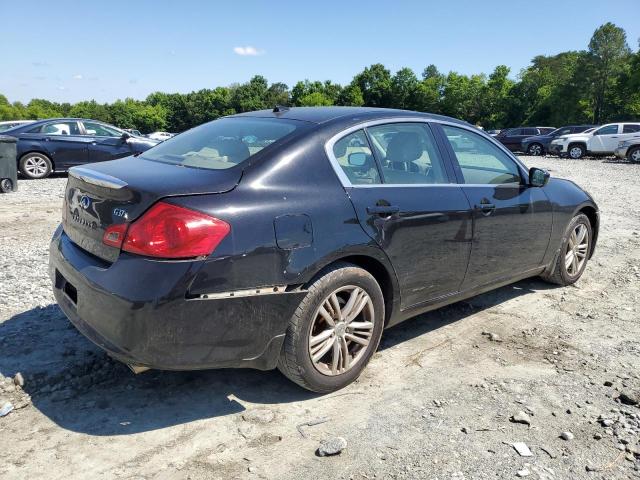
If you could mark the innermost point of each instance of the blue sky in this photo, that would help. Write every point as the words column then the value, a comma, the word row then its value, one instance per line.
column 71, row 51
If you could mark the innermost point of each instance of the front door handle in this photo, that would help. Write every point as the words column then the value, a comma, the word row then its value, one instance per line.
column 383, row 210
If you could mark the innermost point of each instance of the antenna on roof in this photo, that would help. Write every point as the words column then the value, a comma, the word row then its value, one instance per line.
column 280, row 108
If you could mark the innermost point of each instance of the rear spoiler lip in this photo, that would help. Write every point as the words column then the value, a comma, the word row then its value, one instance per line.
column 96, row 178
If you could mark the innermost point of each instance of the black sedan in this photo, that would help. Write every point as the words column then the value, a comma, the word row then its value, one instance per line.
column 57, row 144
column 292, row 238
column 539, row 144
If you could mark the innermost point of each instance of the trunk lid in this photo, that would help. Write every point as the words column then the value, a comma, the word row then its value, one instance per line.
column 119, row 191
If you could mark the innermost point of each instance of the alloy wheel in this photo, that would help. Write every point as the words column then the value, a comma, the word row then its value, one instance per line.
column 575, row 152
column 635, row 155
column 36, row 166
column 341, row 330
column 577, row 249
column 535, row 149
column 6, row 185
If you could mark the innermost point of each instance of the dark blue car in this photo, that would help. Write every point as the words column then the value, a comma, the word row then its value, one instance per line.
column 57, row 144
column 539, row 144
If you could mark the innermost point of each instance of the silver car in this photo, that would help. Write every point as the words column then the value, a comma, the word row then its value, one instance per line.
column 629, row 149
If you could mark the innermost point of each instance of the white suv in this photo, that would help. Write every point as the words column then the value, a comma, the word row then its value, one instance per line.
column 600, row 141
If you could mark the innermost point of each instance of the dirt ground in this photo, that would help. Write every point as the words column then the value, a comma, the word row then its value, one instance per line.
column 435, row 402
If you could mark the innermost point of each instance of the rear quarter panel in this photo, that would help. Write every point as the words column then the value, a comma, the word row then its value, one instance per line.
column 297, row 181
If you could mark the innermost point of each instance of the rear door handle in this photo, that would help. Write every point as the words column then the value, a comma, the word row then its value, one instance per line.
column 486, row 208
column 383, row 210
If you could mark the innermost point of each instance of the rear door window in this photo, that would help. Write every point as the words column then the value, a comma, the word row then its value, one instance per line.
column 480, row 161
column 408, row 154
column 631, row 128
column 530, row 131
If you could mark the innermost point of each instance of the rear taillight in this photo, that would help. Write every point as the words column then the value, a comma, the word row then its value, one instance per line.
column 169, row 231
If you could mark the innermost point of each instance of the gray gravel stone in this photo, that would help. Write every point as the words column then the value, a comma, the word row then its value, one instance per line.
column 332, row 446
column 522, row 449
column 521, row 417
column 6, row 408
column 567, row 436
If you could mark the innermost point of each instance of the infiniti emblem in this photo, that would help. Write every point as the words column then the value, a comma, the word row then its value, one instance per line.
column 85, row 202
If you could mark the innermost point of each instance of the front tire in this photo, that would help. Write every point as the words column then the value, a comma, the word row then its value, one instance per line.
column 335, row 330
column 576, row 151
column 633, row 155
column 35, row 165
column 574, row 253
column 535, row 149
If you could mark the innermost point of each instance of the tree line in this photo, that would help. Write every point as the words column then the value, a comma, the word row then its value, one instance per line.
column 595, row 85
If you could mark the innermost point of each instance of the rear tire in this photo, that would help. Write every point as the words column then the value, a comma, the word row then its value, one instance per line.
column 35, row 165
column 324, row 358
column 6, row 185
column 574, row 253
column 535, row 149
column 576, row 151
column 633, row 155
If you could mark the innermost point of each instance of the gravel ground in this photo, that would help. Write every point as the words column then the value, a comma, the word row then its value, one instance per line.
column 450, row 395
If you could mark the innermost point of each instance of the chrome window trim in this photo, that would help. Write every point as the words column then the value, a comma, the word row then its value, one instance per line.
column 346, row 183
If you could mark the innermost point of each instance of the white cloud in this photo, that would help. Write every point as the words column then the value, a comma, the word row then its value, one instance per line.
column 61, row 88
column 78, row 76
column 248, row 51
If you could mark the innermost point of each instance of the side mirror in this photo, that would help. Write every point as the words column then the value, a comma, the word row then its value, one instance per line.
column 357, row 159
column 538, row 177
column 125, row 136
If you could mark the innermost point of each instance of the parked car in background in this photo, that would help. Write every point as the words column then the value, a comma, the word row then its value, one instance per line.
column 160, row 136
column 539, row 144
column 4, row 126
column 58, row 144
column 274, row 239
column 133, row 131
column 512, row 137
column 494, row 132
column 629, row 149
column 600, row 141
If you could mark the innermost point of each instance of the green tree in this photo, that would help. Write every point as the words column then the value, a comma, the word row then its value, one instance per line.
column 404, row 86
column 608, row 48
column 91, row 109
column 375, row 84
column 350, row 96
column 250, row 96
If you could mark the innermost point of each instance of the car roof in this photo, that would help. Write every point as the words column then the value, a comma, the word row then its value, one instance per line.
column 321, row 115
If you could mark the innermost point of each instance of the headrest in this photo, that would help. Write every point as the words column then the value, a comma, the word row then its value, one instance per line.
column 404, row 147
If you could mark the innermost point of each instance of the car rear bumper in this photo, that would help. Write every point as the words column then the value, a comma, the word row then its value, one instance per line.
column 138, row 310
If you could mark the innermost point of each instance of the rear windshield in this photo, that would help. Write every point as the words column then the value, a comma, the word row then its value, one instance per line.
column 221, row 144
